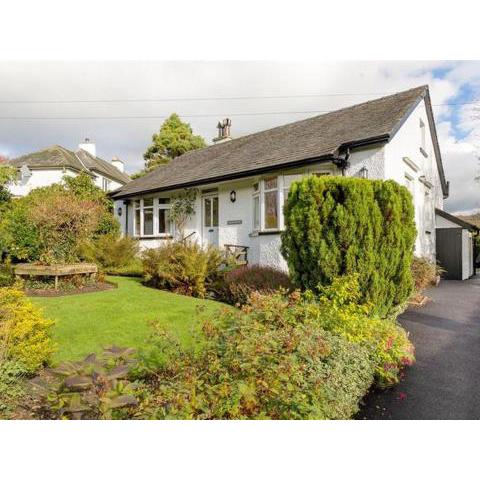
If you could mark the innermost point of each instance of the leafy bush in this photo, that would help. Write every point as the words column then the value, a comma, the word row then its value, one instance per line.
column 12, row 376
column 338, row 226
column 425, row 273
column 94, row 388
column 182, row 267
column 7, row 278
column 241, row 282
column 337, row 310
column 262, row 362
column 50, row 223
column 24, row 332
column 111, row 252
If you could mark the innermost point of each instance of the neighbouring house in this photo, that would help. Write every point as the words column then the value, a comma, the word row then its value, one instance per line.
column 455, row 246
column 243, row 182
column 48, row 166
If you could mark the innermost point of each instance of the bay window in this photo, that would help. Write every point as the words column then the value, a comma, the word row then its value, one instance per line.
column 151, row 217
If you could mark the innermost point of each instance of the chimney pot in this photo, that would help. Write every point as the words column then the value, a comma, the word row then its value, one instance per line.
column 89, row 147
column 223, row 131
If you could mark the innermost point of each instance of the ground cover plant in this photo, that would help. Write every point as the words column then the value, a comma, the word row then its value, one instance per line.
column 264, row 362
column 96, row 387
column 338, row 226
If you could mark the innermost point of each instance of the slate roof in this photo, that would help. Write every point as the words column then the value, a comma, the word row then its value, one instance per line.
column 59, row 157
column 316, row 138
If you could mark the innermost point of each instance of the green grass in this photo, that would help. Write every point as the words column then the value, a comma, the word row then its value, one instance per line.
column 87, row 322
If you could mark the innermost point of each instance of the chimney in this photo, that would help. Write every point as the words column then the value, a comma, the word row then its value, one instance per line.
column 88, row 147
column 223, row 131
column 117, row 163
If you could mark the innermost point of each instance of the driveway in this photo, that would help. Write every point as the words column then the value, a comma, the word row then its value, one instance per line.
column 445, row 381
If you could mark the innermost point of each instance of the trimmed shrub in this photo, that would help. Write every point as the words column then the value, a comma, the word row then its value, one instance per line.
column 260, row 363
column 183, row 267
column 337, row 226
column 111, row 252
column 24, row 332
column 241, row 282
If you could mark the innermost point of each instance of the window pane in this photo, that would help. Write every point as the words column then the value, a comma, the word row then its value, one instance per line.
column 271, row 210
column 148, row 222
column 285, row 195
column 137, row 222
column 270, row 183
column 163, row 221
column 256, row 213
column 208, row 212
column 136, row 204
column 215, row 212
column 255, row 187
column 162, row 201
column 148, row 202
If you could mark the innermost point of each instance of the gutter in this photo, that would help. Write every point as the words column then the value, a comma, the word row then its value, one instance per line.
column 339, row 157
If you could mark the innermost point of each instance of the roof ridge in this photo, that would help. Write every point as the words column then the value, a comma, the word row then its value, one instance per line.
column 424, row 87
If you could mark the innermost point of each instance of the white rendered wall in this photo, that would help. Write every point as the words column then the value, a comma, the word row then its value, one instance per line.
column 406, row 144
column 39, row 178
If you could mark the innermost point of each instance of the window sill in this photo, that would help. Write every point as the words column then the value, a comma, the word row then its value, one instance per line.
column 154, row 237
column 423, row 152
column 266, row 232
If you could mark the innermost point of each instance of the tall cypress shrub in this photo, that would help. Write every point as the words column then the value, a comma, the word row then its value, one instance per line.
column 339, row 225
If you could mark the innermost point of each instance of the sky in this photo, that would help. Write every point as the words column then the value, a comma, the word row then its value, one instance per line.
column 40, row 103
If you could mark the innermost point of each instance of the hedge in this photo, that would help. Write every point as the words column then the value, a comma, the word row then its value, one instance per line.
column 337, row 226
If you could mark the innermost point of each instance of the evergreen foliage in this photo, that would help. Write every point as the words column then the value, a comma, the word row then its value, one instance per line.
column 174, row 139
column 338, row 226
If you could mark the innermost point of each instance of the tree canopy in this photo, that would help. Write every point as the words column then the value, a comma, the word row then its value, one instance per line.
column 173, row 139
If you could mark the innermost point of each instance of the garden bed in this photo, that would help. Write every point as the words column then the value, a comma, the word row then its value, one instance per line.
column 51, row 292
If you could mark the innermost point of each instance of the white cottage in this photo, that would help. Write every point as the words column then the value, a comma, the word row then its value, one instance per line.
column 49, row 166
column 243, row 182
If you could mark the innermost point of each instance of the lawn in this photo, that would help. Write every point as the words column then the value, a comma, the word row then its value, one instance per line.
column 87, row 322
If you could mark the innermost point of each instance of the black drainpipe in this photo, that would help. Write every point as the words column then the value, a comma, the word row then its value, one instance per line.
column 341, row 161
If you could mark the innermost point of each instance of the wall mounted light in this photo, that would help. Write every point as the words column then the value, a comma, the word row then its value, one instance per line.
column 233, row 196
column 119, row 211
column 364, row 172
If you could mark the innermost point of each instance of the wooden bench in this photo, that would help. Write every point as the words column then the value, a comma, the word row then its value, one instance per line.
column 60, row 270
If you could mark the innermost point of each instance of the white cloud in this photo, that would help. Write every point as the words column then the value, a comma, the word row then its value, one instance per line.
column 142, row 80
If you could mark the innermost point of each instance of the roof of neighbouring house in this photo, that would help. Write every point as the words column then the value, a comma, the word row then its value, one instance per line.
column 317, row 138
column 59, row 157
column 459, row 221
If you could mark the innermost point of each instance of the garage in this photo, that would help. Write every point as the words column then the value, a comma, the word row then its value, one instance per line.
column 455, row 242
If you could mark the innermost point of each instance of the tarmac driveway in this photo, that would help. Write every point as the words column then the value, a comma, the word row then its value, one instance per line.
column 445, row 381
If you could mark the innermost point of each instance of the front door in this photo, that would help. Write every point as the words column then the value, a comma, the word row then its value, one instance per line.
column 210, row 220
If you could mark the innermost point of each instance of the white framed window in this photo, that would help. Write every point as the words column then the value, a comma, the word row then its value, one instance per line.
column 105, row 184
column 256, row 207
column 271, row 203
column 152, row 217
column 164, row 224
